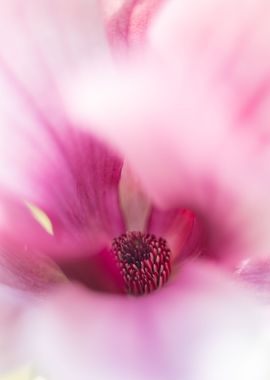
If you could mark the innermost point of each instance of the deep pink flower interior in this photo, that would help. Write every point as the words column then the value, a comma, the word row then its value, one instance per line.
column 178, row 96
column 74, row 178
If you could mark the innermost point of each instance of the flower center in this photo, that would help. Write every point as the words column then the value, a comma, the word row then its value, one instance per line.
column 144, row 261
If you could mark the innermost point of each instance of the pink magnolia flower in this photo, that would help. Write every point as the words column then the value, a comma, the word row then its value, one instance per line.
column 134, row 186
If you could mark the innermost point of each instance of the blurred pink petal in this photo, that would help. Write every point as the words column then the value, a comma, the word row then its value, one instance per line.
column 200, row 327
column 168, row 105
column 128, row 21
column 44, row 159
column 174, row 114
column 256, row 275
column 25, row 269
column 15, row 216
column 12, row 341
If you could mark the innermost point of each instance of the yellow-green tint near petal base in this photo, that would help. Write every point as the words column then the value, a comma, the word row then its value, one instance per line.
column 41, row 217
column 25, row 373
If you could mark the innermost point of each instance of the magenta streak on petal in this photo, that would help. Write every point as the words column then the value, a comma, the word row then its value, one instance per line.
column 253, row 103
column 80, row 188
column 250, row 98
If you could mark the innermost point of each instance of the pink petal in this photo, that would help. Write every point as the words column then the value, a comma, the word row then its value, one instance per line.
column 135, row 205
column 198, row 328
column 25, row 269
column 179, row 120
column 256, row 275
column 128, row 21
column 18, row 224
column 44, row 159
column 180, row 229
column 98, row 272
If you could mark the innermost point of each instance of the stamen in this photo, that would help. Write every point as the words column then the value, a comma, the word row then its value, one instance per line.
column 144, row 261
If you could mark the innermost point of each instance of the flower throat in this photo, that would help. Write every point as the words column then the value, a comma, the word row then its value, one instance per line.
column 144, row 261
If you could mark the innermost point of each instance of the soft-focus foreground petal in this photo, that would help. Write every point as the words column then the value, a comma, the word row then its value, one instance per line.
column 200, row 327
column 24, row 373
column 45, row 161
column 176, row 113
column 12, row 348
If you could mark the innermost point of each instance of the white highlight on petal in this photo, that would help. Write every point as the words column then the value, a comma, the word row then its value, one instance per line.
column 41, row 217
column 244, row 360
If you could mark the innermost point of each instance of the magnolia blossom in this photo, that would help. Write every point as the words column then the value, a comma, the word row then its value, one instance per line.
column 134, row 219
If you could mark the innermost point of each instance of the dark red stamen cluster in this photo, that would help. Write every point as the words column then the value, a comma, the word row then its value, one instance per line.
column 144, row 261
